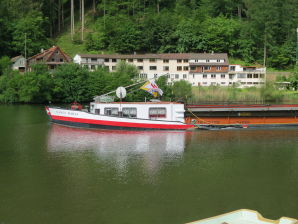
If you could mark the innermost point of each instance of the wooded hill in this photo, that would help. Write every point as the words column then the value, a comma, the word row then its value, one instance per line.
column 251, row 30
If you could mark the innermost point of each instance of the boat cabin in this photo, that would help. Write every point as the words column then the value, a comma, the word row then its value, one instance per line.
column 167, row 111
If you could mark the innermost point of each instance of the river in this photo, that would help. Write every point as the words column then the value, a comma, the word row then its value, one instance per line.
column 55, row 174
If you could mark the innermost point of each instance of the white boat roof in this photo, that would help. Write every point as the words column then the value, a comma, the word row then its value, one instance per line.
column 158, row 102
column 244, row 216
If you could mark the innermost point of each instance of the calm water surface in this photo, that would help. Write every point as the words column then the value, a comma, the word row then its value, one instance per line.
column 54, row 174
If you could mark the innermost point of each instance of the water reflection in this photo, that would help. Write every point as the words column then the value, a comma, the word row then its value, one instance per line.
column 119, row 146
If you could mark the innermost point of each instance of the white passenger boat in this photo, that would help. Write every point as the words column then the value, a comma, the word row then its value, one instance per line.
column 244, row 216
column 123, row 115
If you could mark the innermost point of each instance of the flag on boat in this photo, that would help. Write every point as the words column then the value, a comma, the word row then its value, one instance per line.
column 152, row 88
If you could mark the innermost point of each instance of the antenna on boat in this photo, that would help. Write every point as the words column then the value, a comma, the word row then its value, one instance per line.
column 121, row 93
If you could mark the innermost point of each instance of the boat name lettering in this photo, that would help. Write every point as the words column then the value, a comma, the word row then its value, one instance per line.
column 67, row 113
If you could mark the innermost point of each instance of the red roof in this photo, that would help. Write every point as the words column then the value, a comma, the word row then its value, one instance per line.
column 46, row 54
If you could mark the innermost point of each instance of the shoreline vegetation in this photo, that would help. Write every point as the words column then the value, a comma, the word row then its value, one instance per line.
column 71, row 82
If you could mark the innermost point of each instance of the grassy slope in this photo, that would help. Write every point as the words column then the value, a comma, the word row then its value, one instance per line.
column 64, row 39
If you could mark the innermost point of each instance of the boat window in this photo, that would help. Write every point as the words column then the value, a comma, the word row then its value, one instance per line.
column 129, row 112
column 157, row 112
column 111, row 111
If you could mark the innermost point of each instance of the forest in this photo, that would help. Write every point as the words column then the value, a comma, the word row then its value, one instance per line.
column 255, row 31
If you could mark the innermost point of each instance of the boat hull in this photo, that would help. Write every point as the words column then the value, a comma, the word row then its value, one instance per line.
column 248, row 115
column 87, row 120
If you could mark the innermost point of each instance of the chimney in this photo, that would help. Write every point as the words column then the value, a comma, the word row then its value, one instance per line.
column 134, row 53
column 212, row 52
column 41, row 50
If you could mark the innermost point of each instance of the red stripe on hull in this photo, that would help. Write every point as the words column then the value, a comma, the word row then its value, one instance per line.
column 123, row 124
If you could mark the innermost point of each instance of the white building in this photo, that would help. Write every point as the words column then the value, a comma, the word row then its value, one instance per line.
column 246, row 76
column 18, row 63
column 200, row 69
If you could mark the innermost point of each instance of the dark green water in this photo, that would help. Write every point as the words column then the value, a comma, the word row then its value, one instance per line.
column 54, row 174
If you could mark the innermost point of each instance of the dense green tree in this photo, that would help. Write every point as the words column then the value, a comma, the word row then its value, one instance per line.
column 30, row 29
column 5, row 64
column 182, row 90
column 70, row 83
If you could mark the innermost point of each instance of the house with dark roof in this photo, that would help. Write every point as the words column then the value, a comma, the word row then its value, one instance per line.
column 52, row 57
column 18, row 63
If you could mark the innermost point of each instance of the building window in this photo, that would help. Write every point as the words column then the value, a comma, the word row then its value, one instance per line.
column 204, row 83
column 262, row 76
column 111, row 111
column 213, row 76
column 152, row 60
column 207, row 60
column 249, row 83
column 113, row 68
column 143, row 76
column 256, row 76
column 168, row 76
column 241, row 76
column 92, row 67
column 192, row 68
column 158, row 112
column 179, row 68
column 184, row 76
column 107, row 59
column 249, row 76
column 193, row 76
column 213, row 83
column 218, row 60
column 204, row 76
column 53, row 59
column 129, row 112
column 255, row 83
column 176, row 76
column 233, row 68
column 61, row 59
column 93, row 59
column 223, row 76
column 155, row 76
column 185, row 68
column 207, row 67
column 139, row 60
column 114, row 60
column 130, row 60
column 222, row 83
column 231, row 76
column 179, row 60
column 166, row 68
column 218, row 68
column 152, row 67
column 140, row 67
column 185, row 60
column 165, row 60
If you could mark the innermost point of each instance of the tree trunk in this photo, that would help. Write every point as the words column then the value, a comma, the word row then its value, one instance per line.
column 94, row 8
column 265, row 49
column 104, row 14
column 83, row 19
column 239, row 11
column 71, row 19
column 157, row 5
column 80, row 10
column 59, row 16
column 62, row 14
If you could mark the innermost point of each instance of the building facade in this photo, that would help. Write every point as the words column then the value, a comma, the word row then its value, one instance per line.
column 199, row 69
column 246, row 76
column 19, row 63
column 52, row 57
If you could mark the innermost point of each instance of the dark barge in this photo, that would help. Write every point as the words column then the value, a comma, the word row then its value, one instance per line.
column 253, row 115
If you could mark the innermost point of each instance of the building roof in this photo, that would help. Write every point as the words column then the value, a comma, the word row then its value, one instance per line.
column 14, row 59
column 160, row 56
column 46, row 54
